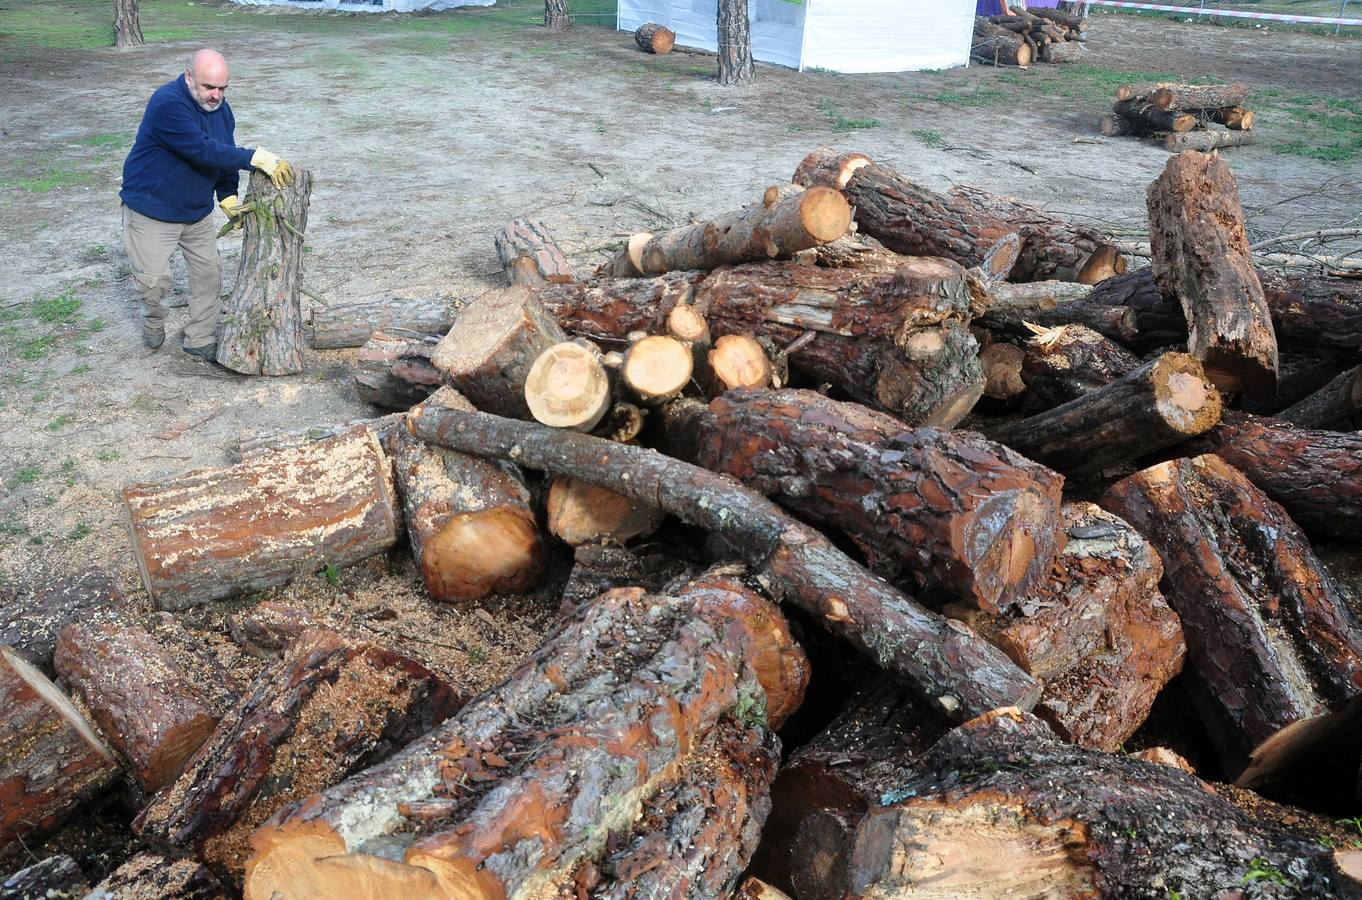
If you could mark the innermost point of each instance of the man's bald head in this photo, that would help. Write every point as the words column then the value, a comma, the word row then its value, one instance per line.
column 207, row 78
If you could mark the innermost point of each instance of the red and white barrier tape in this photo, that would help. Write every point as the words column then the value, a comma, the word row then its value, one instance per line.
column 1230, row 13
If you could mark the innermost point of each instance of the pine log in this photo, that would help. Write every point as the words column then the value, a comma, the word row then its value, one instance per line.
column 1150, row 119
column 999, row 808
column 859, row 251
column 262, row 319
column 951, row 511
column 395, row 372
column 608, row 310
column 1336, row 402
column 151, row 876
column 1103, row 263
column 654, row 38
column 567, row 387
column 994, row 44
column 628, row 260
column 51, row 759
column 946, row 662
column 327, row 709
column 1271, row 641
column 1198, row 96
column 529, row 254
column 1062, row 52
column 1029, row 297
column 54, row 878
column 1113, row 322
column 472, row 531
column 689, row 326
column 781, row 191
column 1208, row 140
column 137, row 694
column 1051, row 246
column 350, row 325
column 904, row 216
column 1163, row 402
column 1116, row 125
column 490, row 348
column 1235, row 118
column 597, row 568
column 1200, row 255
column 656, row 368
column 756, row 889
column 31, row 621
column 1064, row 19
column 218, row 686
column 531, row 780
column 1139, row 91
column 1315, row 475
column 260, row 442
column 215, row 533
column 1002, row 365
column 582, row 513
column 1064, row 363
column 268, row 629
column 737, row 361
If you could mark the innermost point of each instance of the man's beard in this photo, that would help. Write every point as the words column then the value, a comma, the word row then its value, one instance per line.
column 207, row 106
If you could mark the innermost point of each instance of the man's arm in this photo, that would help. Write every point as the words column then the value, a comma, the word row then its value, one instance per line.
column 177, row 129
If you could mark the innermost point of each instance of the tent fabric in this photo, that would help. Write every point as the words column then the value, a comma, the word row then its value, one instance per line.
column 369, row 5
column 841, row 35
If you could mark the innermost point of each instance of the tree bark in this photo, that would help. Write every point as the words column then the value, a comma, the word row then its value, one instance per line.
column 31, row 621
column 1163, row 402
column 1198, row 96
column 127, row 24
column 945, row 661
column 1062, row 52
column 654, row 38
column 608, row 310
column 328, row 709
column 350, row 325
column 529, row 254
column 556, row 16
column 54, row 878
column 216, row 533
column 1208, row 140
column 247, row 446
column 149, row 875
column 995, row 44
column 1337, row 401
column 1114, row 322
column 580, row 512
column 1150, row 119
column 1064, row 363
column 1271, row 641
column 601, row 567
column 262, row 321
column 1029, row 297
column 267, row 630
column 734, row 36
column 395, row 372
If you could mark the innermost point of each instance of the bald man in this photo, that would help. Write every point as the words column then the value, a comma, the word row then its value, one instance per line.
column 184, row 152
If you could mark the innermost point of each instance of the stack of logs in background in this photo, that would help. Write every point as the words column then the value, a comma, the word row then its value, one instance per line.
column 1027, row 36
column 907, row 545
column 1183, row 116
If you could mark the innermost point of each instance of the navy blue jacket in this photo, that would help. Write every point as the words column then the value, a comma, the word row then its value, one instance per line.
column 181, row 154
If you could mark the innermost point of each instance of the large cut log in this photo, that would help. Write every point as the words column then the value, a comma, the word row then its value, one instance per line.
column 995, row 44
column 1271, row 641
column 737, row 361
column 905, row 217
column 1063, row 52
column 610, row 309
column 51, row 759
column 1097, row 633
column 953, row 512
column 1207, row 140
column 151, row 875
column 752, row 234
column 1064, row 363
column 218, row 686
column 1338, row 400
column 472, row 530
column 654, row 38
column 1201, row 256
column 580, row 512
column 1163, row 402
column 395, row 372
column 998, row 808
column 327, row 709
column 529, row 254
column 262, row 319
column 31, row 621
column 946, row 662
column 1235, row 117
column 568, row 387
column 215, row 533
column 1028, row 297
column 490, row 348
column 1315, row 475
column 137, row 693
column 351, row 324
column 1198, row 96
column 1150, row 119
column 656, row 368
column 263, row 441
column 535, row 778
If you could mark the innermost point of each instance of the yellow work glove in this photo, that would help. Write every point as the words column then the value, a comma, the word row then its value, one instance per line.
column 234, row 210
column 280, row 172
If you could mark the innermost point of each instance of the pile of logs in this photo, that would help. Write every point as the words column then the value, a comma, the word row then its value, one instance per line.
column 1024, row 36
column 815, row 483
column 1183, row 116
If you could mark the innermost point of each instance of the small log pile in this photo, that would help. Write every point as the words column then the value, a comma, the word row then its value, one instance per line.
column 941, row 542
column 1024, row 36
column 1182, row 116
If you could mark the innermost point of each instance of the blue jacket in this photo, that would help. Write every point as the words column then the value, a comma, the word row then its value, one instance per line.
column 181, row 154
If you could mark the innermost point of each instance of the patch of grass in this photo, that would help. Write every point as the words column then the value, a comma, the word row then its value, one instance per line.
column 27, row 475
column 61, row 308
column 983, row 96
column 59, row 422
column 841, row 123
column 112, row 139
column 79, row 369
column 51, row 179
column 477, row 656
column 1261, row 870
column 80, row 531
column 36, row 348
column 1325, row 128
column 107, row 455
column 932, row 139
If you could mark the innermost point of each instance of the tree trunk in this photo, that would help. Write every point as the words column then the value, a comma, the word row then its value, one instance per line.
column 395, row 372
column 216, row 533
column 262, row 321
column 54, row 878
column 31, row 621
column 945, row 661
column 149, row 875
column 328, row 709
column 1332, row 404
column 556, row 16
column 529, row 254
column 127, row 24
column 656, row 369
column 1064, row 363
column 1163, row 402
column 995, row 44
column 1270, row 639
column 352, row 324
column 1194, row 96
column 51, row 759
column 262, row 442
column 954, row 512
column 1201, row 256
column 580, row 512
column 473, row 533
column 1029, row 297
column 568, row 387
column 1206, row 141
column 654, row 38
column 734, row 35
column 1115, row 125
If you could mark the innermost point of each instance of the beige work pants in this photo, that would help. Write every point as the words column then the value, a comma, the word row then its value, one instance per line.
column 150, row 244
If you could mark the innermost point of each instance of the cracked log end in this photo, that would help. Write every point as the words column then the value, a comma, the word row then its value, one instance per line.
column 829, row 168
column 1182, row 395
column 567, row 387
column 824, row 213
column 477, row 554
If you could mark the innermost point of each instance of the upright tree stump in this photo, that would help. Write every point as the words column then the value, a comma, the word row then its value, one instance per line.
column 127, row 24
column 735, row 43
column 262, row 325
column 556, row 16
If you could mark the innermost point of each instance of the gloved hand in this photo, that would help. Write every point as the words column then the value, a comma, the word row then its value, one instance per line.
column 280, row 172
column 235, row 210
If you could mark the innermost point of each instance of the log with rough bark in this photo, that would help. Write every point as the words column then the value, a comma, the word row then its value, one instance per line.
column 1140, row 90
column 1150, row 119
column 31, row 621
column 51, row 759
column 1337, row 401
column 350, row 325
column 529, row 254
column 737, row 361
column 1066, row 19
column 267, row 630
column 597, row 568
column 1207, row 140
column 654, row 38
column 1097, row 632
column 905, row 217
column 1316, row 475
column 534, row 779
column 215, row 533
column 946, row 662
column 568, row 387
column 1062, row 52
column 998, row 808
column 395, row 372
column 656, row 368
column 261, row 331
column 329, row 708
column 127, row 24
column 1200, row 255
column 488, row 351
column 734, row 36
column 1064, row 363
column 1232, row 117
column 952, row 511
column 995, row 44
column 580, row 512
column 1198, row 96
column 1114, row 322
column 689, row 326
column 1116, row 125
column 1163, row 402
column 260, row 442
column 1103, row 263
column 610, row 309
column 1271, row 640
column 54, row 878
column 1028, row 297
column 151, row 875
column 473, row 532
column 137, row 693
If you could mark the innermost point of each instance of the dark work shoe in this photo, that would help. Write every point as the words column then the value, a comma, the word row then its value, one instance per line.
column 207, row 353
column 153, row 338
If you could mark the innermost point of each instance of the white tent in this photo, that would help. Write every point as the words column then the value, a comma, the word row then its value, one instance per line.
column 841, row 35
column 369, row 5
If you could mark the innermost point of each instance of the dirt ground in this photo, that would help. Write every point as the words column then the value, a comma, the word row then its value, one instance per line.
column 424, row 142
